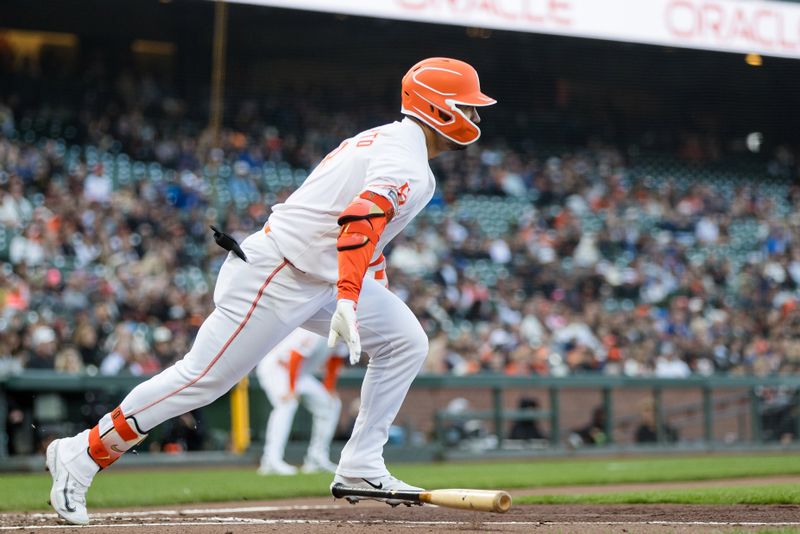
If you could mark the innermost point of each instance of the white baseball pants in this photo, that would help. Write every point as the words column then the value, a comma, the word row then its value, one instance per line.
column 257, row 305
column 323, row 406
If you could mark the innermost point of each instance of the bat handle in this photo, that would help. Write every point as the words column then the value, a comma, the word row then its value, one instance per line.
column 340, row 491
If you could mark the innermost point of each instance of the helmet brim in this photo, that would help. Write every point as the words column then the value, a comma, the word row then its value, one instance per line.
column 476, row 99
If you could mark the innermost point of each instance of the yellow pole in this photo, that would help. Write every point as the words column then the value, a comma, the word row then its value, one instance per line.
column 240, row 417
column 218, row 67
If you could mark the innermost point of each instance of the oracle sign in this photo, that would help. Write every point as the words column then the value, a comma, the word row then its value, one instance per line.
column 739, row 25
column 768, row 28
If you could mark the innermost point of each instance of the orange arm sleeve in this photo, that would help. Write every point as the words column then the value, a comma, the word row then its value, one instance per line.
column 295, row 361
column 362, row 223
column 378, row 270
column 332, row 373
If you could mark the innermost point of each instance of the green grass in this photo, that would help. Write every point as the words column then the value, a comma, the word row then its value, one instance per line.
column 122, row 488
column 758, row 494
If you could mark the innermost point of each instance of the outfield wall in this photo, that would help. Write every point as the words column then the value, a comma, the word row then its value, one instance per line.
column 712, row 412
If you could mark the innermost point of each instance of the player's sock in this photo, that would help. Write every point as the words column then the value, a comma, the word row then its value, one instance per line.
column 73, row 453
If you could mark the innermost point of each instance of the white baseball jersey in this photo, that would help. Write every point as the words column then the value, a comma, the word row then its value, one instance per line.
column 390, row 160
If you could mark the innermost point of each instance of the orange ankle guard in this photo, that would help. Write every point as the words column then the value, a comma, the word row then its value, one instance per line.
column 105, row 449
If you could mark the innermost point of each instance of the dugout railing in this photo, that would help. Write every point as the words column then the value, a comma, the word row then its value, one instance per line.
column 494, row 401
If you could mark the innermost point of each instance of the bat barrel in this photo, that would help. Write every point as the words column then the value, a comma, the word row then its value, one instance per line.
column 469, row 499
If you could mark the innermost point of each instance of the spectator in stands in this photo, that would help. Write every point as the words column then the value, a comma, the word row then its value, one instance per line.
column 527, row 429
column 85, row 337
column 162, row 347
column 594, row 433
column 119, row 358
column 43, row 348
column 647, row 431
column 16, row 211
column 572, row 332
column 779, row 410
column 28, row 248
column 144, row 362
column 532, row 330
column 669, row 364
column 98, row 186
column 9, row 363
column 131, row 354
column 184, row 433
column 68, row 361
column 459, row 427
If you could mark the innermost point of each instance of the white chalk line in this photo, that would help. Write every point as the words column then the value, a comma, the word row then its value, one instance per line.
column 155, row 518
column 227, row 521
column 173, row 524
column 199, row 511
column 669, row 523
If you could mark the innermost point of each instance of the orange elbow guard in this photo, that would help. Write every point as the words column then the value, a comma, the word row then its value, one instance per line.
column 362, row 223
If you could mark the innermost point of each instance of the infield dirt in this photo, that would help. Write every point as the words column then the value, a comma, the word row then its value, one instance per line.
column 325, row 515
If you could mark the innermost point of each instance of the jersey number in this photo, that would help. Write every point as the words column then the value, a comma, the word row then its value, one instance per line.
column 365, row 139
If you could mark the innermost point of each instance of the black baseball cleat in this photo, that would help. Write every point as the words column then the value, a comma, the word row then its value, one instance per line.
column 386, row 483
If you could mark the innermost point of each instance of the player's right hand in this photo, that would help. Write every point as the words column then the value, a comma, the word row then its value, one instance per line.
column 345, row 326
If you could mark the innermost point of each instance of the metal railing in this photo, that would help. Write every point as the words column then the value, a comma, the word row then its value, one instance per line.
column 32, row 383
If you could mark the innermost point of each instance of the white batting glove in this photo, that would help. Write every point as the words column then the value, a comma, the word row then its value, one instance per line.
column 345, row 326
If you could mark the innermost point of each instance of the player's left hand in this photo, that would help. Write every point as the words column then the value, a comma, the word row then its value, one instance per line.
column 345, row 326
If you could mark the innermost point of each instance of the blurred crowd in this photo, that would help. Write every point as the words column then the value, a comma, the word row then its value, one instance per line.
column 708, row 284
column 602, row 266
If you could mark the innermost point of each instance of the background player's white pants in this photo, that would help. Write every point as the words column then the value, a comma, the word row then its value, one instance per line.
column 324, row 418
column 257, row 305
column 323, row 406
column 279, row 425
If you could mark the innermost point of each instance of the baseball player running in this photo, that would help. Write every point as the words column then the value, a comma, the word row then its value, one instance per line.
column 285, row 374
column 306, row 268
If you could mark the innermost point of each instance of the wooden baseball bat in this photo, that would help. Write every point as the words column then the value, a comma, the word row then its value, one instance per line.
column 465, row 499
column 469, row 499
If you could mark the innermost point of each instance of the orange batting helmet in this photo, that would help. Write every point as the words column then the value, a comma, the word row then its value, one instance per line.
column 432, row 90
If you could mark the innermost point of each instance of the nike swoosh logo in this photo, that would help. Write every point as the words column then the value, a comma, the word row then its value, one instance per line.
column 67, row 505
column 378, row 486
column 116, row 449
